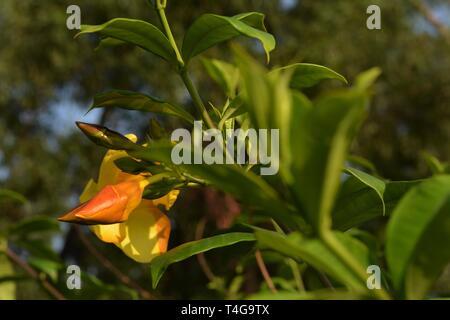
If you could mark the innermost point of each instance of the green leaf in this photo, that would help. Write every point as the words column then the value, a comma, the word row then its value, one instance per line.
column 357, row 202
column 322, row 137
column 49, row 267
column 271, row 104
column 137, row 32
column 7, row 288
column 130, row 165
column 232, row 110
column 162, row 187
column 107, row 138
column 38, row 248
column 315, row 253
column 366, row 79
column 306, row 75
column 363, row 163
column 224, row 74
column 434, row 164
column 376, row 184
column 189, row 249
column 417, row 235
column 109, row 43
column 136, row 101
column 210, row 30
column 9, row 195
column 34, row 225
column 246, row 186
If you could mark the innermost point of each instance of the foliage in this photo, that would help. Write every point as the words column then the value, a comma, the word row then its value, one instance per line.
column 317, row 198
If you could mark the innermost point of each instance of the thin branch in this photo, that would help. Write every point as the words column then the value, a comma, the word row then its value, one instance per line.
column 199, row 230
column 110, row 266
column 34, row 274
column 264, row 271
column 428, row 14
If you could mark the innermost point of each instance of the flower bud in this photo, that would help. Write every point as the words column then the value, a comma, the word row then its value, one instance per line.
column 113, row 204
column 106, row 138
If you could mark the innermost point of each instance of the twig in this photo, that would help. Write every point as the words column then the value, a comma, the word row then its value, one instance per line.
column 199, row 230
column 264, row 271
column 428, row 14
column 34, row 274
column 110, row 266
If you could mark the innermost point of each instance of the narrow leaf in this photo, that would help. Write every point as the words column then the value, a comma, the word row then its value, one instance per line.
column 189, row 249
column 210, row 30
column 136, row 101
column 376, row 184
column 137, row 32
column 417, row 235
column 306, row 75
column 315, row 253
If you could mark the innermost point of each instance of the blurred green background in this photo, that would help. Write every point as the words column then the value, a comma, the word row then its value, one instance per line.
column 47, row 81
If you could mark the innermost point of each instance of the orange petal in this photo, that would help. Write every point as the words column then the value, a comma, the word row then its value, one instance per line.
column 111, row 205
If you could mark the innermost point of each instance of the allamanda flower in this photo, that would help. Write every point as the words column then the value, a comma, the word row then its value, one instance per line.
column 117, row 213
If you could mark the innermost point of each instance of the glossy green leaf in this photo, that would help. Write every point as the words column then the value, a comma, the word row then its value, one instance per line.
column 246, row 186
column 211, row 29
column 136, row 101
column 105, row 137
column 224, row 74
column 271, row 104
column 315, row 253
column 189, row 249
column 358, row 203
column 323, row 136
column 306, row 75
column 417, row 235
column 136, row 32
column 375, row 183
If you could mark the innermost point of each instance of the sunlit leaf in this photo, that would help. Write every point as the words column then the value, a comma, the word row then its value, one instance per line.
column 137, row 32
column 306, row 75
column 136, row 101
column 417, row 235
column 315, row 253
column 189, row 249
column 211, row 29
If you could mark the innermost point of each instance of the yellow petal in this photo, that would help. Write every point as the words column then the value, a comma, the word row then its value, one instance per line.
column 110, row 233
column 168, row 200
column 146, row 233
column 89, row 191
column 109, row 173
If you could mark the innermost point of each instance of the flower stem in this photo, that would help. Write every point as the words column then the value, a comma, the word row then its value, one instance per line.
column 160, row 8
column 196, row 99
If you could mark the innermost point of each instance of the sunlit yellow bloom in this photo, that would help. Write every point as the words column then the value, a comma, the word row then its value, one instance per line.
column 120, row 216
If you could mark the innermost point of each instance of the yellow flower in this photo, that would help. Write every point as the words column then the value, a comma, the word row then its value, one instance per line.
column 119, row 215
